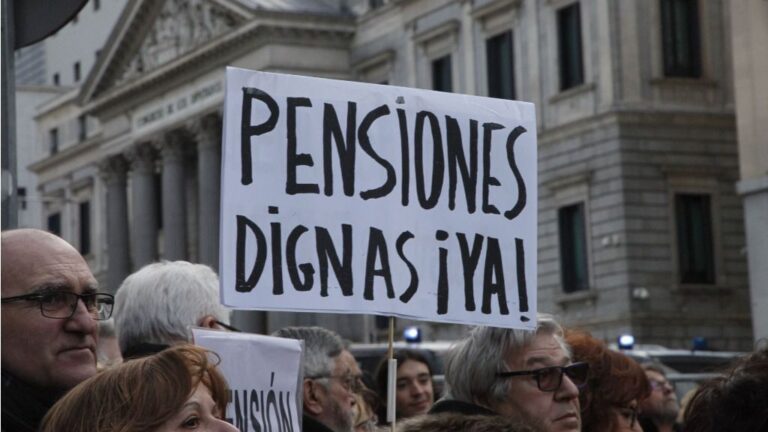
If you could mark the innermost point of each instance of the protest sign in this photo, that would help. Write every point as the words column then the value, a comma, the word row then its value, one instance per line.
column 360, row 198
column 264, row 375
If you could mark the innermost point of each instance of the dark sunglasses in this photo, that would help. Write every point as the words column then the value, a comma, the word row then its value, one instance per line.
column 550, row 379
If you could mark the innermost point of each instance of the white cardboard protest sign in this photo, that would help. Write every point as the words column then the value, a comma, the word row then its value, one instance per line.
column 360, row 198
column 264, row 375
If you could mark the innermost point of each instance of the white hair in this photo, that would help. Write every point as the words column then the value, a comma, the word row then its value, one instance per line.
column 471, row 365
column 321, row 348
column 159, row 303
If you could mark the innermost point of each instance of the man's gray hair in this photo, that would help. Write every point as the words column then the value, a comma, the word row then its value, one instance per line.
column 471, row 365
column 321, row 347
column 159, row 303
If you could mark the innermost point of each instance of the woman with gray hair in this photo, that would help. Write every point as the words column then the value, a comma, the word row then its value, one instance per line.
column 157, row 306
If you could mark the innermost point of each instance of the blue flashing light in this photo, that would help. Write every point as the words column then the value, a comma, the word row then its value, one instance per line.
column 412, row 334
column 700, row 343
column 626, row 342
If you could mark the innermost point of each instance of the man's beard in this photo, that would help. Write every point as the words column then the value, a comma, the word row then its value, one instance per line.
column 667, row 412
column 343, row 419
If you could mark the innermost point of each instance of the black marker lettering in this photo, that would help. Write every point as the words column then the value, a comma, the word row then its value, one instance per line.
column 290, row 257
column 247, row 130
column 293, row 159
column 241, row 284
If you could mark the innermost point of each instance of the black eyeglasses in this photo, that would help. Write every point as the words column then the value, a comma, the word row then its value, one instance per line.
column 351, row 383
column 63, row 304
column 227, row 326
column 550, row 378
column 629, row 413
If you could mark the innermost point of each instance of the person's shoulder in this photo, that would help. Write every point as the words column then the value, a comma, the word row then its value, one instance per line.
column 458, row 407
column 308, row 424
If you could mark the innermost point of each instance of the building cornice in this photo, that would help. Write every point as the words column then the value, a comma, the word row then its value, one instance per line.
column 65, row 154
column 289, row 26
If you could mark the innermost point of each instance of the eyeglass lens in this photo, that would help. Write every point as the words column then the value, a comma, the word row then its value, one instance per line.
column 63, row 304
column 550, row 379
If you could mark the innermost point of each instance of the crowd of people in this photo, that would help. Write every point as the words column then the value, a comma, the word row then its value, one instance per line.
column 69, row 365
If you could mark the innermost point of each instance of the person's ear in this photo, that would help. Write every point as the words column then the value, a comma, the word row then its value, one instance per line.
column 208, row 321
column 313, row 399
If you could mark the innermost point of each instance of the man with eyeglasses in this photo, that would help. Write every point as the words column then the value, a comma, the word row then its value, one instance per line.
column 659, row 411
column 332, row 380
column 523, row 374
column 49, row 324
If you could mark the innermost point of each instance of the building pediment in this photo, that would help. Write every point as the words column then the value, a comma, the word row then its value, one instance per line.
column 180, row 27
column 152, row 34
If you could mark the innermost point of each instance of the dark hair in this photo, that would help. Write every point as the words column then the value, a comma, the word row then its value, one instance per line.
column 138, row 395
column 736, row 401
column 614, row 381
column 401, row 356
column 453, row 422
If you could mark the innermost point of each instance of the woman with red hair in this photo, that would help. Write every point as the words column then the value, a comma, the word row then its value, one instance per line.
column 615, row 387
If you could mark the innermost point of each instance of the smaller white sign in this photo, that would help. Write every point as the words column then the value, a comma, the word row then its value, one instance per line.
column 264, row 375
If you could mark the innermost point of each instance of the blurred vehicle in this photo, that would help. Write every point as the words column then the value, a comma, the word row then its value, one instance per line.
column 685, row 369
column 369, row 355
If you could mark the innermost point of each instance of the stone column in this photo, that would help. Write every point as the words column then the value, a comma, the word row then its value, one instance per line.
column 174, row 197
column 113, row 172
column 208, row 135
column 144, row 204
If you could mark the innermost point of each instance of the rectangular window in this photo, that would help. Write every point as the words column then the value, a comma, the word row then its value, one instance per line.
column 442, row 79
column 96, row 5
column 56, row 80
column 573, row 248
column 569, row 46
column 53, row 140
column 76, row 72
column 680, row 38
column 695, row 248
column 22, row 194
column 500, row 62
column 85, row 227
column 54, row 223
column 82, row 128
column 373, row 4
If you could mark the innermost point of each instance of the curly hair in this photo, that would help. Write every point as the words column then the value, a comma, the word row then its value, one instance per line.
column 138, row 395
column 736, row 401
column 614, row 381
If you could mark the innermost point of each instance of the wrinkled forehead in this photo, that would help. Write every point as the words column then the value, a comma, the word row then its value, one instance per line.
column 346, row 364
column 32, row 262
column 544, row 350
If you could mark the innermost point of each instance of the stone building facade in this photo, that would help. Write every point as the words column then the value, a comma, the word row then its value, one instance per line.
column 640, row 225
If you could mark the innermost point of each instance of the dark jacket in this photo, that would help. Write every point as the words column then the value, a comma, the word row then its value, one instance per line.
column 649, row 426
column 308, row 424
column 458, row 422
column 459, row 407
column 24, row 406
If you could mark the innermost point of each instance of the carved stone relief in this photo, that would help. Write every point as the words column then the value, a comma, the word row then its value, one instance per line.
column 181, row 26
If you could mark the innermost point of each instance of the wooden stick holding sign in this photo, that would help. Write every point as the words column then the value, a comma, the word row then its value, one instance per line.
column 391, row 377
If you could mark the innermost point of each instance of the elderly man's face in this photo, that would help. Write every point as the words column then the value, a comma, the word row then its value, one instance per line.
column 45, row 352
column 662, row 404
column 339, row 409
column 558, row 410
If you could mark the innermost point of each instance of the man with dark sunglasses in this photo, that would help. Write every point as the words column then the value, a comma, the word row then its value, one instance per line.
column 524, row 374
column 50, row 314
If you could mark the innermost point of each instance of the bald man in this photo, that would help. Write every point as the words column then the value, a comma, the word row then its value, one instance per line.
column 50, row 309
